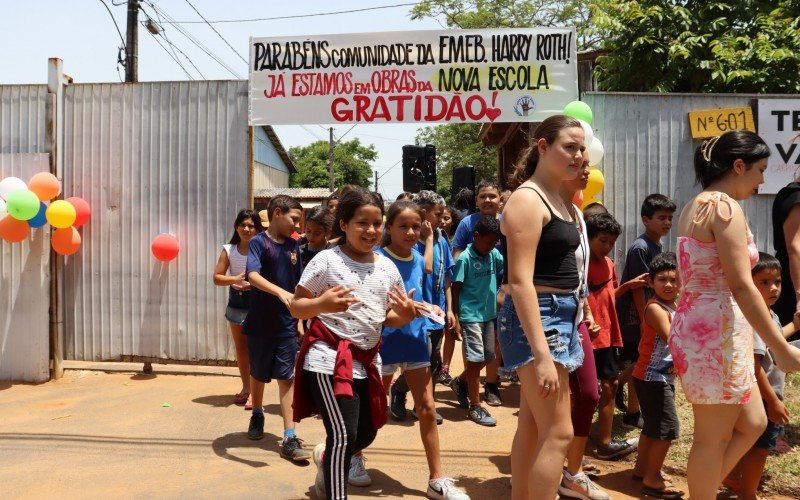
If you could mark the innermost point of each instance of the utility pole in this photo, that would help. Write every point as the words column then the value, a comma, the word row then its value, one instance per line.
column 376, row 181
column 132, row 43
column 331, row 145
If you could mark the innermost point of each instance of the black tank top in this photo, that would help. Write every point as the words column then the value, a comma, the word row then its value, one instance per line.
column 556, row 266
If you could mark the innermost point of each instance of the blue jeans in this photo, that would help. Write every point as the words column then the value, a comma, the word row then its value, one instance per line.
column 558, row 311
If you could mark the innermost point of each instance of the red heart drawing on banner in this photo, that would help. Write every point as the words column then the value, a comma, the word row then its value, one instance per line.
column 493, row 113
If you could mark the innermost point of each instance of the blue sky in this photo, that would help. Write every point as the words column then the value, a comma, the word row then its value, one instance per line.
column 81, row 33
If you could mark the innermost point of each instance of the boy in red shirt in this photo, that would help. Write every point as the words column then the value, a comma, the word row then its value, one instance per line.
column 603, row 231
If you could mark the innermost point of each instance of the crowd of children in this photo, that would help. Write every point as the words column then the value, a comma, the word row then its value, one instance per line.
column 371, row 302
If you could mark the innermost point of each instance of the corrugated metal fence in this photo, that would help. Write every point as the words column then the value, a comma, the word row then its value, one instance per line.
column 649, row 149
column 24, row 267
column 151, row 158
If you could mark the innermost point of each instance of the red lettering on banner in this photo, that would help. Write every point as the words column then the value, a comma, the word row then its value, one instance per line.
column 430, row 108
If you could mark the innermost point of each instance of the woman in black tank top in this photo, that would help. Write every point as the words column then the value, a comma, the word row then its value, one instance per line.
column 537, row 334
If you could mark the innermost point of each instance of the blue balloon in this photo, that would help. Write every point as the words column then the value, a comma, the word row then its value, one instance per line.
column 39, row 220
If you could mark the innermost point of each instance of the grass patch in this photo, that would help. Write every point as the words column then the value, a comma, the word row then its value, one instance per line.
column 782, row 471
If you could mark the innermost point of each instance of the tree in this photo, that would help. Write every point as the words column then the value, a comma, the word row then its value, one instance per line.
column 351, row 164
column 475, row 14
column 457, row 145
column 698, row 45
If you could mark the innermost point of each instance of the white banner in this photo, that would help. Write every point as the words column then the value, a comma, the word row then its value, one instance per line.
column 779, row 126
column 452, row 76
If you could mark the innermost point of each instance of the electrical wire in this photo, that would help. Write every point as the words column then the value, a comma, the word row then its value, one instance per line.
column 194, row 40
column 310, row 132
column 122, row 38
column 379, row 7
column 172, row 45
column 217, row 32
column 390, row 168
column 166, row 38
column 348, row 131
column 172, row 56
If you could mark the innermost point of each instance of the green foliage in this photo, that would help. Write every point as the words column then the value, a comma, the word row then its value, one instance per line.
column 474, row 14
column 457, row 145
column 745, row 46
column 351, row 164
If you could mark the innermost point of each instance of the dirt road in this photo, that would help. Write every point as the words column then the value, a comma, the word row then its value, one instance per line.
column 94, row 434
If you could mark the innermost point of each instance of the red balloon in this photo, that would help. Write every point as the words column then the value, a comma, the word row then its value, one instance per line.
column 82, row 210
column 13, row 230
column 66, row 241
column 165, row 247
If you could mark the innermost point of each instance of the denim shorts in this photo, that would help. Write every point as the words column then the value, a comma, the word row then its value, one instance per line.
column 768, row 440
column 558, row 311
column 478, row 341
column 387, row 370
column 235, row 316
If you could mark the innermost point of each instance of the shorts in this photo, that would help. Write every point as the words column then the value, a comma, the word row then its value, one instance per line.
column 558, row 312
column 272, row 357
column 478, row 341
column 235, row 316
column 387, row 370
column 606, row 362
column 768, row 440
column 629, row 353
column 657, row 404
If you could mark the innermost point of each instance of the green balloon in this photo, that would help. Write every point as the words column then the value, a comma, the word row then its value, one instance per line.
column 22, row 204
column 579, row 110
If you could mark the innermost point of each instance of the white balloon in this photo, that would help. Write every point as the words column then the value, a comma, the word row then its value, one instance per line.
column 3, row 210
column 9, row 185
column 596, row 152
column 587, row 132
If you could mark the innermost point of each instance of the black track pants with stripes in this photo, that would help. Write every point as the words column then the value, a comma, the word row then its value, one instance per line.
column 348, row 424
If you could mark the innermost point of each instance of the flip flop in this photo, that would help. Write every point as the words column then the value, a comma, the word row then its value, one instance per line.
column 241, row 398
column 249, row 404
column 664, row 492
column 665, row 477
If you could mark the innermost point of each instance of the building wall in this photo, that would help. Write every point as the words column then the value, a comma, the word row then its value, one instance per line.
column 151, row 158
column 649, row 149
column 269, row 169
column 24, row 266
column 266, row 177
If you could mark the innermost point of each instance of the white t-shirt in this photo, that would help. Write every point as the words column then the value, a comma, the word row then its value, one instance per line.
column 777, row 378
column 238, row 262
column 363, row 321
column 582, row 259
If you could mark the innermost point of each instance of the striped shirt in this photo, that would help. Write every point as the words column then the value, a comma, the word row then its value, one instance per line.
column 363, row 321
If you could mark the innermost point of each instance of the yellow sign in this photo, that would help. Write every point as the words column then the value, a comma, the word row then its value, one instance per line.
column 712, row 122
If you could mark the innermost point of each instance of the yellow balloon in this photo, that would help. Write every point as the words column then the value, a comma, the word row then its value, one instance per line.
column 589, row 201
column 60, row 214
column 595, row 183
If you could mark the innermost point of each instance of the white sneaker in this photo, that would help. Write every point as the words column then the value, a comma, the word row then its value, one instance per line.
column 444, row 488
column 319, row 481
column 358, row 475
column 580, row 486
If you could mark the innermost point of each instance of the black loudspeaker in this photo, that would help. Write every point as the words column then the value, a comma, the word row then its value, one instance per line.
column 413, row 165
column 429, row 172
column 463, row 177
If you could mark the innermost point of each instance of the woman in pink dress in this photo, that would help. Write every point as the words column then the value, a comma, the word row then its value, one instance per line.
column 710, row 341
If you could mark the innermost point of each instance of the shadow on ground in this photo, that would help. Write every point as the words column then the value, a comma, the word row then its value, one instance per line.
column 382, row 486
column 270, row 444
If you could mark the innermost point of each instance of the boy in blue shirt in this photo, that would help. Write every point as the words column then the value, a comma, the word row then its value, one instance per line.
column 475, row 284
column 273, row 270
column 656, row 212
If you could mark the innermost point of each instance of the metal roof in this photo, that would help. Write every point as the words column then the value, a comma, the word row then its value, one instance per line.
column 299, row 193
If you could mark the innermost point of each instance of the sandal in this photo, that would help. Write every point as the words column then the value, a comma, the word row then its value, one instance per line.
column 665, row 477
column 249, row 404
column 241, row 398
column 668, row 492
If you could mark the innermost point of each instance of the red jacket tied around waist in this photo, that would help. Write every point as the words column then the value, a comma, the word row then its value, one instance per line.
column 346, row 351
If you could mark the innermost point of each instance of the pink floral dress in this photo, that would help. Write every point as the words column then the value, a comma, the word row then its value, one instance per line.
column 710, row 340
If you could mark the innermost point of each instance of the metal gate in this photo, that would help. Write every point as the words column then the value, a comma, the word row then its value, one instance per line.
column 151, row 158
column 24, row 267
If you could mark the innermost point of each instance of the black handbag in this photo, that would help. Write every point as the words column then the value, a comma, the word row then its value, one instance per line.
column 238, row 299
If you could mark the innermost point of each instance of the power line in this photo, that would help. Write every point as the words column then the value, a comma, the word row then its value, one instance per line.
column 194, row 40
column 390, row 168
column 217, row 32
column 172, row 45
column 348, row 131
column 172, row 56
column 379, row 7
column 122, row 38
column 310, row 132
